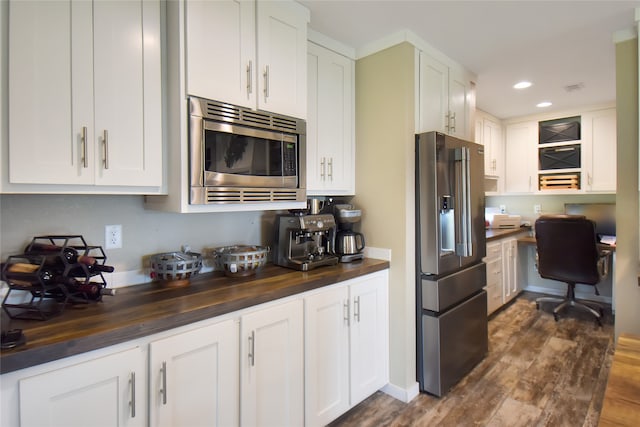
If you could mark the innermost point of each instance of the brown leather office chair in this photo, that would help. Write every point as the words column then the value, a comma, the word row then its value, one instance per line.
column 568, row 252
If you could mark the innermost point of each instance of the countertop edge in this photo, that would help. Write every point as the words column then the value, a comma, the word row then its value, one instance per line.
column 28, row 356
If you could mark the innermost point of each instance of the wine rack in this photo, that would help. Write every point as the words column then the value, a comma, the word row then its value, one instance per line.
column 53, row 271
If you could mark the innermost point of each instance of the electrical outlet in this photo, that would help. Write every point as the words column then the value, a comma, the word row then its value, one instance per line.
column 537, row 209
column 503, row 209
column 112, row 236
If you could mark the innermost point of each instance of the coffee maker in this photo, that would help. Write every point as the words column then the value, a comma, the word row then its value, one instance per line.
column 349, row 243
column 304, row 242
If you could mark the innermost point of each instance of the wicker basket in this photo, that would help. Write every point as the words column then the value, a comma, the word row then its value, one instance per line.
column 240, row 260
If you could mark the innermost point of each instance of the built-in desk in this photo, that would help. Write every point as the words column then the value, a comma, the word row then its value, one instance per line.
column 530, row 279
column 621, row 405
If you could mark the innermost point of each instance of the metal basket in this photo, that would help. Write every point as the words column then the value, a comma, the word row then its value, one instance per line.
column 175, row 265
column 240, row 260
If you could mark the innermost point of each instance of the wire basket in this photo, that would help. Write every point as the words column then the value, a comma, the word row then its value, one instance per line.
column 172, row 266
column 240, row 260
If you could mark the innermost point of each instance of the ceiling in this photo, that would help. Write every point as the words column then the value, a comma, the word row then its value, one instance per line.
column 553, row 44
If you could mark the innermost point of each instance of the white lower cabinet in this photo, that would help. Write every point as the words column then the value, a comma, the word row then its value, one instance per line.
column 502, row 272
column 107, row 391
column 346, row 346
column 494, row 276
column 321, row 351
column 271, row 367
column 193, row 377
column 510, row 269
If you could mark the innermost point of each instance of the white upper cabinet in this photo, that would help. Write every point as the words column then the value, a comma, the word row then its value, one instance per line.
column 599, row 145
column 489, row 132
column 84, row 97
column 330, row 122
column 446, row 101
column 220, row 51
column 521, row 141
column 248, row 53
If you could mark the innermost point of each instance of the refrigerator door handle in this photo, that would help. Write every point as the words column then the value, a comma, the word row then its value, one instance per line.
column 464, row 247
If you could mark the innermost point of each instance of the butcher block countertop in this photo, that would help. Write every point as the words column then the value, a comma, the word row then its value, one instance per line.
column 146, row 309
column 621, row 405
column 499, row 233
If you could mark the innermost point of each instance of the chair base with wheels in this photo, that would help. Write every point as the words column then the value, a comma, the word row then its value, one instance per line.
column 570, row 301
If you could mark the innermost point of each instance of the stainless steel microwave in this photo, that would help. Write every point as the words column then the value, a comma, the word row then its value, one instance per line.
column 238, row 155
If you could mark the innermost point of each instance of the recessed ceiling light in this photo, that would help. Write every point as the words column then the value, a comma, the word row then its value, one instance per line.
column 522, row 85
column 544, row 104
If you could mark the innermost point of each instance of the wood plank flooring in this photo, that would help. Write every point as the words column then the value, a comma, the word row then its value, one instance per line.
column 538, row 372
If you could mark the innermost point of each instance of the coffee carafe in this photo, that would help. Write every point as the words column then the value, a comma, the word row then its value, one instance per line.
column 349, row 244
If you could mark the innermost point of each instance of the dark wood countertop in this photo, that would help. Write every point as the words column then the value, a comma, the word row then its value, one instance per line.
column 142, row 310
column 621, row 405
column 499, row 233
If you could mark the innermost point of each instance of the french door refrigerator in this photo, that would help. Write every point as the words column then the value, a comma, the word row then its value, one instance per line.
column 451, row 304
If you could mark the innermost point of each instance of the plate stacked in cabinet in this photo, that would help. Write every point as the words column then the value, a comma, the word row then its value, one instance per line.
column 52, row 272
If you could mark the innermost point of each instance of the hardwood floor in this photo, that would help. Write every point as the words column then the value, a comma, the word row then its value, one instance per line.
column 538, row 372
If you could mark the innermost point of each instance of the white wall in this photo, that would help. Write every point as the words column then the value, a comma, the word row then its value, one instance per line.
column 385, row 129
column 145, row 232
column 627, row 291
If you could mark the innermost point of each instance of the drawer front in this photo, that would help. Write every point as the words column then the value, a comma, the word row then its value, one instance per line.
column 494, row 250
column 494, row 270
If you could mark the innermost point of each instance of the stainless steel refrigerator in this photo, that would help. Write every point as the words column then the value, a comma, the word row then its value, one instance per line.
column 451, row 304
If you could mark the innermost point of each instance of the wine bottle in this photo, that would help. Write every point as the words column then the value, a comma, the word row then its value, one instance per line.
column 93, row 264
column 68, row 253
column 93, row 291
column 31, row 274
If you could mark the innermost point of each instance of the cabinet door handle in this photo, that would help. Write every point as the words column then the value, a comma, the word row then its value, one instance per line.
column 249, row 78
column 453, row 119
column 322, row 168
column 85, row 161
column 330, row 168
column 105, row 145
column 493, row 165
column 266, row 82
column 132, row 388
column 347, row 309
column 589, row 179
column 163, row 390
column 252, row 348
column 356, row 309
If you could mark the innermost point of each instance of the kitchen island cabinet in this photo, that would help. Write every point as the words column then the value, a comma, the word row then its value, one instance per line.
column 85, row 104
column 346, row 346
column 169, row 322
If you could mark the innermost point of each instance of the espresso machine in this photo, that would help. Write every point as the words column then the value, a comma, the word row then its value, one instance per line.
column 304, row 242
column 349, row 243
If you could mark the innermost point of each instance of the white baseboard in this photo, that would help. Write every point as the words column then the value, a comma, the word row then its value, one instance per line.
column 562, row 293
column 401, row 394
